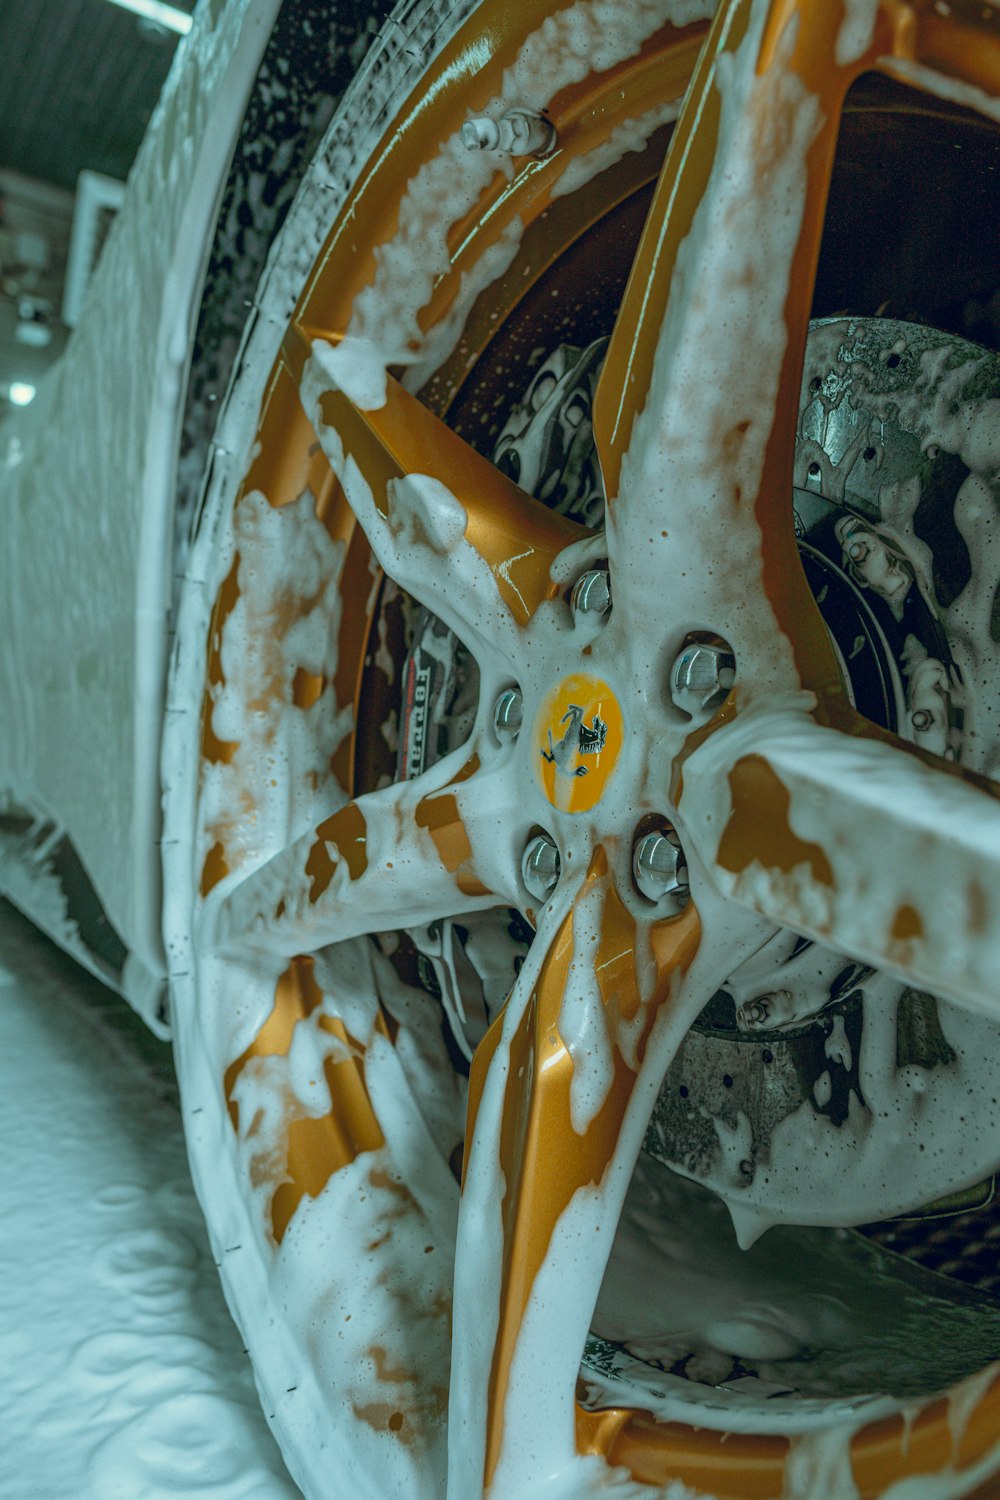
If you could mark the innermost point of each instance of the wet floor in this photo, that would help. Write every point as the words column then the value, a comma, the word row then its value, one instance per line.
column 123, row 1376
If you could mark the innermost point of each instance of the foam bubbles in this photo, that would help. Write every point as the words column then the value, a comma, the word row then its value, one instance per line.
column 124, row 1378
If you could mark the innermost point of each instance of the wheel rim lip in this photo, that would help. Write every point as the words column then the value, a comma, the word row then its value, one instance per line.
column 874, row 1439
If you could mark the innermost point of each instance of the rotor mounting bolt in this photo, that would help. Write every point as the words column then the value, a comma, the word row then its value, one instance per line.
column 592, row 593
column 659, row 868
column 752, row 1014
column 508, row 714
column 701, row 677
column 540, row 866
column 519, row 132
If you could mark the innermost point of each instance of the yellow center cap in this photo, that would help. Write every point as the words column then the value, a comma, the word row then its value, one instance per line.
column 578, row 734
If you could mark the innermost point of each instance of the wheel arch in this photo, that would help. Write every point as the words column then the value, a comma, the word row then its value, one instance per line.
column 89, row 484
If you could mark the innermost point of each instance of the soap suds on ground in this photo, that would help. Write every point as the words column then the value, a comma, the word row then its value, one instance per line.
column 124, row 1376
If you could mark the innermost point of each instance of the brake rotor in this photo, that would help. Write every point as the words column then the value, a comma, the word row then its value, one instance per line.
column 813, row 1089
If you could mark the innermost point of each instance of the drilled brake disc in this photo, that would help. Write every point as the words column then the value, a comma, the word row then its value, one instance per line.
column 806, row 1061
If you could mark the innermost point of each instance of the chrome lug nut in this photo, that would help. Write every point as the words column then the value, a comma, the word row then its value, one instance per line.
column 519, row 131
column 508, row 714
column 659, row 868
column 592, row 593
column 701, row 677
column 540, row 866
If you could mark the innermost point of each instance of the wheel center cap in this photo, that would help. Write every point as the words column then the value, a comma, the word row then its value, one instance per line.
column 577, row 740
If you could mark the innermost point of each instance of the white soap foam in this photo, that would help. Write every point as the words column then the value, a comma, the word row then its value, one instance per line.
column 124, row 1375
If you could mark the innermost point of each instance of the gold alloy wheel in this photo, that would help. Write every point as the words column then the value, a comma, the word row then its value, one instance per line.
column 694, row 424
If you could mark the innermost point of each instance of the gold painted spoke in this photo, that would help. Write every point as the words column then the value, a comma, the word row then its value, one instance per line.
column 394, row 858
column 853, row 837
column 451, row 529
column 697, row 407
column 560, row 1094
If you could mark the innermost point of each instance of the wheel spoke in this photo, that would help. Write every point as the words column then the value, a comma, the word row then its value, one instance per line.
column 696, row 411
column 560, row 1095
column 851, row 836
column 451, row 529
column 394, row 858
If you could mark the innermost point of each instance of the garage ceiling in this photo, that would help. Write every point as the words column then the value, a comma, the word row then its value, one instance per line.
column 78, row 82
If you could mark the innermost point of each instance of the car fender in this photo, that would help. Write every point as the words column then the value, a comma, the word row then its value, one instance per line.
column 87, row 485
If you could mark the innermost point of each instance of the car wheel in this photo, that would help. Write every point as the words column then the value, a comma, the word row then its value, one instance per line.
column 555, row 809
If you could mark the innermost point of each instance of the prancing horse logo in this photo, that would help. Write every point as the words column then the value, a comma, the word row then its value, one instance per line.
column 576, row 740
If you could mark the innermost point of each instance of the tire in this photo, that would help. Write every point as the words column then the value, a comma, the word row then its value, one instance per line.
column 322, row 1037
